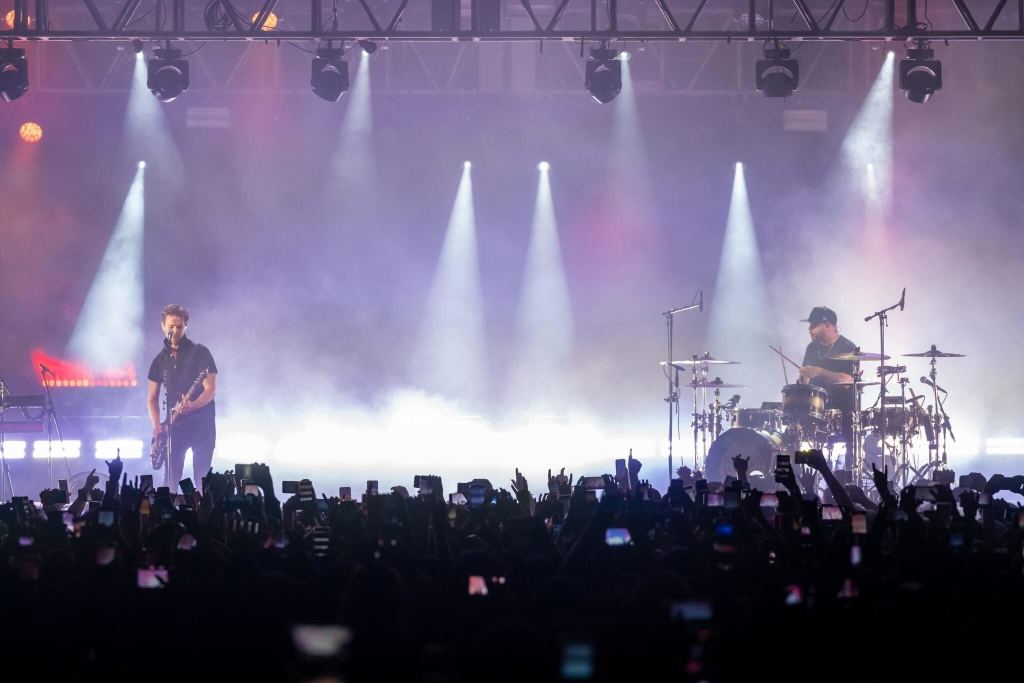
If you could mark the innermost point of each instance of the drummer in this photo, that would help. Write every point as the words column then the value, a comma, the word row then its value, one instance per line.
column 818, row 368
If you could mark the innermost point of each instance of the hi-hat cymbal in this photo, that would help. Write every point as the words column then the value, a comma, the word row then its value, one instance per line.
column 716, row 383
column 933, row 353
column 855, row 384
column 856, row 356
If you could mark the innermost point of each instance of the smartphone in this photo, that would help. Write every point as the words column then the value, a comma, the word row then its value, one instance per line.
column 320, row 640
column 146, row 482
column 371, row 487
column 251, row 489
column 593, row 483
column 477, row 493
column 69, row 521
column 715, row 500
column 617, row 537
column 831, row 513
column 321, row 541
column 152, row 577
column 860, row 522
column 243, row 471
column 62, row 484
column 345, row 492
column 731, row 499
column 622, row 474
column 187, row 487
column 855, row 556
column 477, row 586
column 769, row 500
column 577, row 661
column 107, row 518
column 456, row 499
column 289, row 487
column 691, row 610
column 984, row 500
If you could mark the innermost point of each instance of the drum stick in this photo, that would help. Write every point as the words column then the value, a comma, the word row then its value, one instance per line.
column 782, row 362
column 785, row 357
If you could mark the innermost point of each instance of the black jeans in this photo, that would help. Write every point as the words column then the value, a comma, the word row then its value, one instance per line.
column 201, row 436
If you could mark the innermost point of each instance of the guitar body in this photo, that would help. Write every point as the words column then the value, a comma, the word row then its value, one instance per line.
column 158, row 446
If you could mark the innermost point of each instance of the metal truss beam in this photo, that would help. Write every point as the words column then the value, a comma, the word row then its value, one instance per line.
column 604, row 21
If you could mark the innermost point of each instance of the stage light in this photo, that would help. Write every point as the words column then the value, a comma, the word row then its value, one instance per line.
column 467, row 165
column 624, row 56
column 270, row 24
column 920, row 74
column 544, row 167
column 130, row 449
column 369, row 47
column 167, row 74
column 329, row 77
column 31, row 132
column 142, row 164
column 13, row 73
column 604, row 75
column 9, row 20
column 777, row 75
column 137, row 47
column 14, row 450
column 60, row 449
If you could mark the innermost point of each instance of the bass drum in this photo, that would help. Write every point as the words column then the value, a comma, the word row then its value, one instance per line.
column 761, row 447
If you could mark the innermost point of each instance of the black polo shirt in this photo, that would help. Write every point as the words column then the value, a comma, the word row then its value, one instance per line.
column 818, row 356
column 179, row 374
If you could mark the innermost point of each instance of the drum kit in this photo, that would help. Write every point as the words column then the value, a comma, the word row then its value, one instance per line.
column 883, row 433
column 886, row 433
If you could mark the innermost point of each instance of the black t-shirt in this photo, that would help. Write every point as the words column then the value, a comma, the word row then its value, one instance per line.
column 179, row 374
column 818, row 356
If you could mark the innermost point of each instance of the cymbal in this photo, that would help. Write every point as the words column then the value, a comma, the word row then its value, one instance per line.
column 933, row 353
column 856, row 356
column 706, row 359
column 855, row 384
column 716, row 383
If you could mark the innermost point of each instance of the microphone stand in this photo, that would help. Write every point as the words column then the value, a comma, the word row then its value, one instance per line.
column 52, row 423
column 883, row 322
column 6, row 485
column 673, row 374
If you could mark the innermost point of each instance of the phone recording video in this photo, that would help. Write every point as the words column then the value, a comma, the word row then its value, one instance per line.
column 577, row 661
column 477, row 586
column 106, row 518
column 320, row 641
column 692, row 611
column 153, row 577
column 715, row 500
column 831, row 513
column 860, row 522
column 617, row 537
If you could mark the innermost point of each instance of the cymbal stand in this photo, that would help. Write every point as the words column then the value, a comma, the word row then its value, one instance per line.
column 716, row 414
column 883, row 322
column 672, row 374
column 904, row 437
column 856, row 427
column 941, row 417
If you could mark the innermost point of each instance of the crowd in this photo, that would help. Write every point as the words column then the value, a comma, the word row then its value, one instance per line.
column 793, row 575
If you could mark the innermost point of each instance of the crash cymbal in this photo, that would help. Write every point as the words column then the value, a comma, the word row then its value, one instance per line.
column 715, row 383
column 856, row 356
column 933, row 353
column 855, row 384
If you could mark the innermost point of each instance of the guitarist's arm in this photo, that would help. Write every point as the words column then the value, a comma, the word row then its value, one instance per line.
column 153, row 404
column 209, row 391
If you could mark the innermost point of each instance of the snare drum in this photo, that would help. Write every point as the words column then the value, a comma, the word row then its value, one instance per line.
column 896, row 417
column 757, row 418
column 803, row 403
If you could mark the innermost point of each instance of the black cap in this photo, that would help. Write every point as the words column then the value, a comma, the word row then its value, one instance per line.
column 821, row 314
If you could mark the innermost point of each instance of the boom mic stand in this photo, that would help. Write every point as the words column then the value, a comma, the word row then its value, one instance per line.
column 52, row 424
column 883, row 322
column 672, row 373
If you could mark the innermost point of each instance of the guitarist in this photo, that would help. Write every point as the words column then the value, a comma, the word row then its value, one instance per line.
column 176, row 367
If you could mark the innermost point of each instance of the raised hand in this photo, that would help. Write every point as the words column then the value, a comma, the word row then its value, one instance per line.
column 91, row 480
column 520, row 486
column 881, row 479
column 815, row 459
column 114, row 468
column 740, row 464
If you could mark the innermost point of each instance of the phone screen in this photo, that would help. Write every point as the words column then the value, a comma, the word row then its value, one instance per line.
column 715, row 500
column 477, row 586
column 152, row 577
column 345, row 492
column 831, row 513
column 106, row 517
column 860, row 523
column 617, row 537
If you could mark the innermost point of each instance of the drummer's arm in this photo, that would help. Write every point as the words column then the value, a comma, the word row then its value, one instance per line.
column 809, row 372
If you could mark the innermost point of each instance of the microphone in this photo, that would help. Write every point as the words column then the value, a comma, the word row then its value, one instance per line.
column 933, row 385
column 46, row 370
column 701, row 303
column 903, row 298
